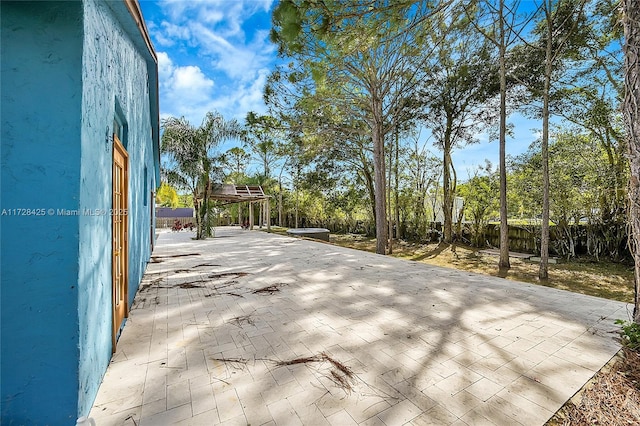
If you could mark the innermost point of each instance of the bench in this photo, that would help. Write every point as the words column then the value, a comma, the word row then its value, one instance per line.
column 315, row 233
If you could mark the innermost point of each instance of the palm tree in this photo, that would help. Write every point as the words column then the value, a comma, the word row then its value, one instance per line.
column 191, row 162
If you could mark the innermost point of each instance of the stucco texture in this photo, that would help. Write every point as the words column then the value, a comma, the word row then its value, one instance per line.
column 115, row 83
column 41, row 101
column 68, row 69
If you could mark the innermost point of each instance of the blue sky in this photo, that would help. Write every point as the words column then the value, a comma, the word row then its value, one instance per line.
column 216, row 55
column 212, row 55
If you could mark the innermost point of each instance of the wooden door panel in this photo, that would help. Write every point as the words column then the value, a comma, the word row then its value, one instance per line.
column 119, row 223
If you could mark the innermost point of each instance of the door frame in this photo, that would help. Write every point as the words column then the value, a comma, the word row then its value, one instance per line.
column 119, row 238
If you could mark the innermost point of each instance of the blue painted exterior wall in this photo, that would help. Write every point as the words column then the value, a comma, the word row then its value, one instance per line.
column 115, row 86
column 68, row 69
column 41, row 101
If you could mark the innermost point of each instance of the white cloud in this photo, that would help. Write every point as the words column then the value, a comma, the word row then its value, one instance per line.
column 191, row 79
column 214, row 29
column 226, row 16
column 173, row 31
column 216, row 55
column 184, row 90
column 237, row 61
column 165, row 67
column 211, row 16
column 187, row 91
column 250, row 97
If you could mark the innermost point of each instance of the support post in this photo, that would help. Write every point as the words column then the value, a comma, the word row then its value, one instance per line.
column 250, row 216
column 268, row 215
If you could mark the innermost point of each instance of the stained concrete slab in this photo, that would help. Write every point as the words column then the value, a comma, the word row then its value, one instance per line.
column 256, row 328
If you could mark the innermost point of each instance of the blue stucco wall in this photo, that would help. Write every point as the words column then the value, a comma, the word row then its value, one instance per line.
column 115, row 83
column 68, row 69
column 41, row 94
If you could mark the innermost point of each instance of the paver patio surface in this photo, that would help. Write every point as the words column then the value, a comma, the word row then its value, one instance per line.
column 256, row 328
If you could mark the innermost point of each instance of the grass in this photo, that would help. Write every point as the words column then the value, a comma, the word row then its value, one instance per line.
column 602, row 279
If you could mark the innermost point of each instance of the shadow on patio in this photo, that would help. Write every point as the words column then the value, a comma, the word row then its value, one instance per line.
column 257, row 328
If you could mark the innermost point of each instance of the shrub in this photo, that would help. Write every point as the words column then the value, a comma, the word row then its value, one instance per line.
column 630, row 334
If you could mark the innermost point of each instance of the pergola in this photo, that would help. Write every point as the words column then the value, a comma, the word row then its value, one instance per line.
column 233, row 194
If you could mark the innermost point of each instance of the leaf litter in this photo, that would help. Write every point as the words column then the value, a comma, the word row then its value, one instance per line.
column 340, row 374
column 612, row 398
column 268, row 289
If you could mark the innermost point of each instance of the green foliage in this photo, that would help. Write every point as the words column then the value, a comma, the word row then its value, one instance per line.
column 167, row 196
column 265, row 135
column 234, row 163
column 357, row 72
column 481, row 201
column 630, row 334
column 374, row 55
column 583, row 189
column 286, row 24
column 191, row 162
column 185, row 200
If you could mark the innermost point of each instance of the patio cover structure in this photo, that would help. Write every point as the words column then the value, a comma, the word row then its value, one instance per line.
column 232, row 194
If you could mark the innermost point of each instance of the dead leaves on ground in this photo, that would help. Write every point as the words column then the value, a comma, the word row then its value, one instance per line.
column 611, row 398
column 239, row 320
column 338, row 373
column 268, row 289
column 208, row 280
column 160, row 259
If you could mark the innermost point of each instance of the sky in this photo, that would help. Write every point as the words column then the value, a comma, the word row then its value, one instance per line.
column 216, row 55
column 212, row 55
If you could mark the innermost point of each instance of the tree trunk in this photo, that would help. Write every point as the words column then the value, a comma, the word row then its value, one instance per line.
column 196, row 209
column 504, row 224
column 297, row 180
column 390, row 210
column 280, row 203
column 631, row 23
column 370, row 190
column 447, row 204
column 297, row 201
column 396, row 189
column 250, row 216
column 543, row 273
column 379, row 174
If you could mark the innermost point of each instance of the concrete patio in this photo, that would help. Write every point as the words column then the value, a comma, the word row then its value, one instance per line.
column 256, row 328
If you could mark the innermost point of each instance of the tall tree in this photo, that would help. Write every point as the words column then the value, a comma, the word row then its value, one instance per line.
column 264, row 139
column 423, row 172
column 631, row 23
column 456, row 96
column 235, row 161
column 313, row 121
column 591, row 99
column 540, row 65
column 558, row 28
column 480, row 201
column 192, row 161
column 371, row 56
column 502, row 25
column 579, row 177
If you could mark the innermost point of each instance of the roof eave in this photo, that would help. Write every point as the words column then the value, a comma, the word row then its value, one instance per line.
column 136, row 13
